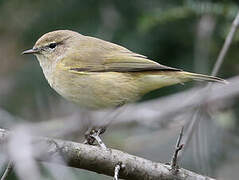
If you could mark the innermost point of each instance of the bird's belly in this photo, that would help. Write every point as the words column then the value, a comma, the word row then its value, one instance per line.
column 97, row 90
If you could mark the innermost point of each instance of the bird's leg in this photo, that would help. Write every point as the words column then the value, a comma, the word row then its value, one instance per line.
column 96, row 136
column 93, row 135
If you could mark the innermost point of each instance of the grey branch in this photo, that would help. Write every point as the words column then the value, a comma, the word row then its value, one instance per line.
column 226, row 45
column 215, row 70
column 117, row 169
column 96, row 159
column 7, row 170
column 178, row 147
column 159, row 111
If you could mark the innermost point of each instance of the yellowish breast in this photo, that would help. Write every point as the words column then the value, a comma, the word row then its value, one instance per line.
column 96, row 90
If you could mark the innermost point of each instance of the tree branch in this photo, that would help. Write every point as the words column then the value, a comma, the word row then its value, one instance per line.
column 178, row 147
column 158, row 112
column 96, row 159
column 162, row 108
column 226, row 45
column 215, row 70
column 7, row 170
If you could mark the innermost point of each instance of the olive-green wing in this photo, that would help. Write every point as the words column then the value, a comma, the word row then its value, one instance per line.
column 119, row 63
column 131, row 62
column 103, row 56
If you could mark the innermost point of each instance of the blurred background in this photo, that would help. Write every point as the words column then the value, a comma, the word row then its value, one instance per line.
column 183, row 34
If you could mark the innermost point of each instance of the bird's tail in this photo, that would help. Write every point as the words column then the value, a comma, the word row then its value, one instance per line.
column 156, row 80
column 200, row 77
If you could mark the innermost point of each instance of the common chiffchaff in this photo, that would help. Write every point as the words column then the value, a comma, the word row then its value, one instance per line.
column 98, row 74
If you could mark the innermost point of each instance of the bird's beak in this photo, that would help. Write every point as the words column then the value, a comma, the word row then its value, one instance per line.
column 31, row 51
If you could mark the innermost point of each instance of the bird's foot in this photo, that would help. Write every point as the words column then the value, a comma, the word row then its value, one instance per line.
column 94, row 135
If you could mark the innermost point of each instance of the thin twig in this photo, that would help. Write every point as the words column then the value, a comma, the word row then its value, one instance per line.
column 178, row 147
column 190, row 130
column 117, row 169
column 215, row 70
column 7, row 171
column 226, row 45
column 96, row 136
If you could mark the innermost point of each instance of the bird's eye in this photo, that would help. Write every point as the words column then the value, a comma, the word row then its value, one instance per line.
column 52, row 45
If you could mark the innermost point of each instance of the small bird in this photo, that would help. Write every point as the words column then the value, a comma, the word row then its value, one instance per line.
column 97, row 74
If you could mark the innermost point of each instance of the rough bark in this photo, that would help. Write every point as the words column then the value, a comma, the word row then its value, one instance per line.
column 96, row 159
